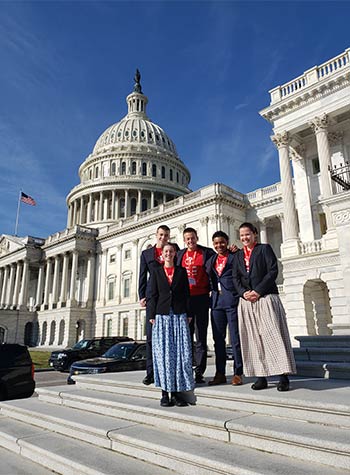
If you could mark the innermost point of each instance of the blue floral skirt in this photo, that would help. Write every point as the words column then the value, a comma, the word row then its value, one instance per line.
column 172, row 353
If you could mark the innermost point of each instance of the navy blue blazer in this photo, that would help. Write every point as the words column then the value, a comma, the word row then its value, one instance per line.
column 165, row 296
column 207, row 253
column 228, row 296
column 263, row 271
column 148, row 263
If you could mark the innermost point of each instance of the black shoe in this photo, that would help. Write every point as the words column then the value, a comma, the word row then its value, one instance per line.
column 177, row 401
column 283, row 385
column 260, row 383
column 199, row 378
column 165, row 402
column 148, row 380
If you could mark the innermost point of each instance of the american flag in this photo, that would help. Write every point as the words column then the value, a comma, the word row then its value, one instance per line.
column 27, row 199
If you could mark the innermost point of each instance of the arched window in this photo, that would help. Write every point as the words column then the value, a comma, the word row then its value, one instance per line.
column 133, row 168
column 113, row 168
column 154, row 170
column 144, row 169
column 144, row 204
column 177, row 177
column 171, row 174
column 133, row 203
column 111, row 287
column 122, row 208
column 96, row 172
column 163, row 172
column 90, row 174
column 126, row 284
column 123, row 170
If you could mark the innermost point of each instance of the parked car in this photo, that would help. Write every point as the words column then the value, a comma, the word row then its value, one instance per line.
column 16, row 372
column 61, row 360
column 128, row 356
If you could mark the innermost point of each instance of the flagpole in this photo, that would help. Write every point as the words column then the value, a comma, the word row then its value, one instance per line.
column 17, row 216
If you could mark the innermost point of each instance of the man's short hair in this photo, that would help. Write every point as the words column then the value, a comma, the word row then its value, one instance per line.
column 164, row 227
column 190, row 230
column 221, row 234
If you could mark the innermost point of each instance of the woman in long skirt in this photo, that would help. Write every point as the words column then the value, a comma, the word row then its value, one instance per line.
column 171, row 340
column 265, row 341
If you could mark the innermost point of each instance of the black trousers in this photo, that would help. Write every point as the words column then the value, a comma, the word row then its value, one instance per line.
column 199, row 312
column 149, row 359
column 220, row 318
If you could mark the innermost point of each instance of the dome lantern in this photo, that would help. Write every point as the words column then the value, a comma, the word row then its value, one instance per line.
column 136, row 100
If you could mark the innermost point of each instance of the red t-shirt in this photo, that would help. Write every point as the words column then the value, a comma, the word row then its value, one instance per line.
column 169, row 273
column 158, row 255
column 198, row 279
column 220, row 263
column 247, row 254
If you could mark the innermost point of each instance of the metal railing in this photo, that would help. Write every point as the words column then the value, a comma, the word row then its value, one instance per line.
column 341, row 176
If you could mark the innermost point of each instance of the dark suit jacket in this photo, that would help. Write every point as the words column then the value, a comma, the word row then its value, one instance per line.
column 165, row 296
column 147, row 265
column 228, row 296
column 207, row 253
column 262, row 273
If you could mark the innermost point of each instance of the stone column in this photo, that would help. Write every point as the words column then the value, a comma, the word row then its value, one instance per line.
column 164, row 197
column 17, row 284
column 89, row 207
column 263, row 231
column 39, row 289
column 117, row 205
column 73, row 275
column 81, row 213
column 90, row 277
column 2, row 271
column 319, row 125
column 113, row 205
column 56, row 273
column 74, row 213
column 4, row 285
column 100, row 207
column 152, row 199
column 126, row 205
column 291, row 224
column 9, row 297
column 139, row 201
column 64, row 282
column 105, row 206
column 24, row 285
column 47, row 281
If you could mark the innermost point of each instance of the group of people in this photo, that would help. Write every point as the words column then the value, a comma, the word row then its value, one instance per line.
column 178, row 287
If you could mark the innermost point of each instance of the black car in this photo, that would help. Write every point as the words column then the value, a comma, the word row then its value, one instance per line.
column 16, row 372
column 126, row 356
column 61, row 360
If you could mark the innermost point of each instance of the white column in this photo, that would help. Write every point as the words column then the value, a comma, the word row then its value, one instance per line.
column 319, row 126
column 64, row 283
column 75, row 204
column 69, row 216
column 139, row 201
column 81, row 214
column 105, row 207
column 89, row 207
column 9, row 297
column 90, row 277
column 39, row 289
column 47, row 281
column 291, row 224
column 73, row 275
column 17, row 284
column 126, row 206
column 152, row 199
column 56, row 273
column 4, row 285
column 164, row 197
column 24, row 285
column 2, row 271
column 117, row 204
column 263, row 231
column 100, row 207
column 113, row 205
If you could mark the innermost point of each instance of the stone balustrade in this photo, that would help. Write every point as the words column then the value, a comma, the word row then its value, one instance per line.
column 311, row 247
column 271, row 191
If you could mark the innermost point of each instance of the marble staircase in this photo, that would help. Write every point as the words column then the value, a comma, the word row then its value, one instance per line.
column 112, row 424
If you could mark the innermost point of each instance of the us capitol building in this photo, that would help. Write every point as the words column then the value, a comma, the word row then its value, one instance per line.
column 83, row 281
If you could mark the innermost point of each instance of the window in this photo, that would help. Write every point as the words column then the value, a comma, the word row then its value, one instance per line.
column 177, row 177
column 111, row 290
column 107, row 330
column 163, row 172
column 109, row 327
column 126, row 289
column 122, row 208
column 112, row 258
column 125, row 326
column 123, row 171
column 113, row 168
column 315, row 166
column 144, row 204
column 133, row 168
column 90, row 174
column 96, row 172
column 127, row 254
column 133, row 202
column 154, row 170
column 171, row 175
column 144, row 169
column 323, row 223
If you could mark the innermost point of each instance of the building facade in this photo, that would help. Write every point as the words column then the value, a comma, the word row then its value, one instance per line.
column 83, row 281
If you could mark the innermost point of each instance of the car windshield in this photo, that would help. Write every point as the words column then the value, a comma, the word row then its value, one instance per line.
column 81, row 345
column 119, row 351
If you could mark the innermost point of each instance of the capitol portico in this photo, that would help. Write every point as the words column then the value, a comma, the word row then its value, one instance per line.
column 82, row 281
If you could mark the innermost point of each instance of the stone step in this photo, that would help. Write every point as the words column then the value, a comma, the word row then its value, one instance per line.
column 65, row 455
column 14, row 464
column 314, row 442
column 324, row 341
column 157, row 448
column 323, row 369
column 335, row 354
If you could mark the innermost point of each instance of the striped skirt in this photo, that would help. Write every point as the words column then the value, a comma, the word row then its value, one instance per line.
column 172, row 353
column 265, row 341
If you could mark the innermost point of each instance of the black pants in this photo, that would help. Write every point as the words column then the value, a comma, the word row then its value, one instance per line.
column 199, row 312
column 220, row 318
column 149, row 359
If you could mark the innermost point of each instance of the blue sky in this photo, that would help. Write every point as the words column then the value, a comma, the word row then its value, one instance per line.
column 66, row 68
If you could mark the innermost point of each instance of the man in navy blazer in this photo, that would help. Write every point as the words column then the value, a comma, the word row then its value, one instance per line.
column 150, row 259
column 224, row 301
column 193, row 258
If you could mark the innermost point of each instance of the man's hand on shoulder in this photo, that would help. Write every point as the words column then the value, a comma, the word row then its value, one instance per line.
column 233, row 248
column 143, row 302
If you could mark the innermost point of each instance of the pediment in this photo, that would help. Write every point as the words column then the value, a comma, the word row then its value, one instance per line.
column 10, row 244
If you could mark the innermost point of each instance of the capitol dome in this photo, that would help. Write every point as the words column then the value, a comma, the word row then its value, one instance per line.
column 134, row 166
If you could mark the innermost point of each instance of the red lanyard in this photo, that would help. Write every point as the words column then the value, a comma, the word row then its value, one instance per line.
column 247, row 254
column 220, row 263
column 169, row 273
